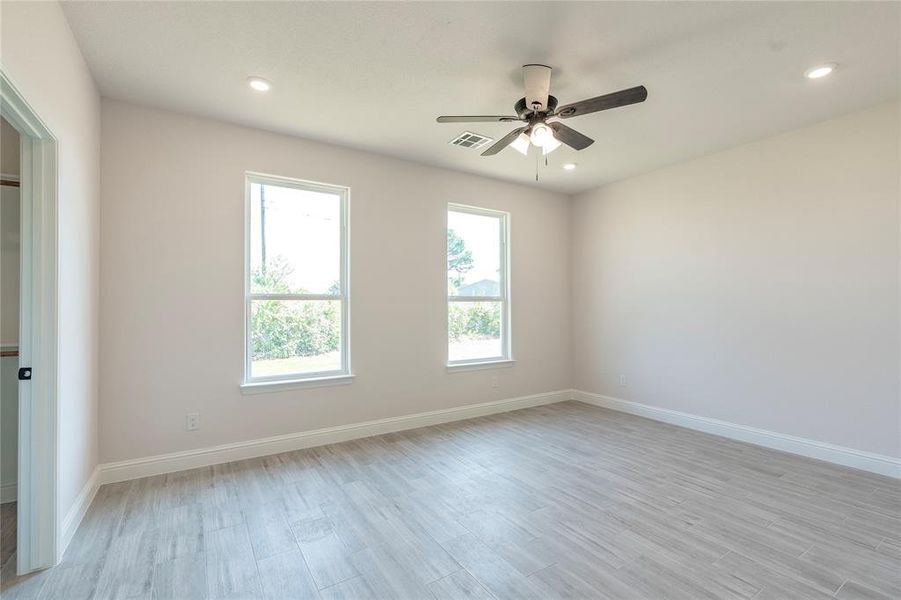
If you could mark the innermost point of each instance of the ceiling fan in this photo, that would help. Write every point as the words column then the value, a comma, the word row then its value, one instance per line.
column 539, row 106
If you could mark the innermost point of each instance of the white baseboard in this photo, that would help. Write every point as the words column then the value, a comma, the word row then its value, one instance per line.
column 78, row 510
column 8, row 492
column 840, row 455
column 203, row 457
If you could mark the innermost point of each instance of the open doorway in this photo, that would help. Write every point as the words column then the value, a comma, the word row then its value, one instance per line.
column 9, row 336
column 33, row 335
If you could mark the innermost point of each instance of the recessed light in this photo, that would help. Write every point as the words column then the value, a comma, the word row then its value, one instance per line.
column 569, row 166
column 259, row 84
column 820, row 71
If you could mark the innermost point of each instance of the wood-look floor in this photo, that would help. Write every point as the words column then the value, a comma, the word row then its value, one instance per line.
column 560, row 501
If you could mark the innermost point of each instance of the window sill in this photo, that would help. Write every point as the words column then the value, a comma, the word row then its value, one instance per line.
column 479, row 366
column 270, row 387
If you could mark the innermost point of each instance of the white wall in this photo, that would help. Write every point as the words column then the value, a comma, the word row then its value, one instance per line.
column 41, row 58
column 172, row 285
column 757, row 285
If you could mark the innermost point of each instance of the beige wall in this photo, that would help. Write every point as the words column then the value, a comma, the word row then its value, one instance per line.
column 758, row 285
column 41, row 58
column 172, row 285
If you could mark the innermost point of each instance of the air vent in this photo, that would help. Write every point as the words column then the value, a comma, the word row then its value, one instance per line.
column 468, row 139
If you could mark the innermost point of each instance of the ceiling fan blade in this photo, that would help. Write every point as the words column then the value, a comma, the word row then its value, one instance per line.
column 537, row 81
column 614, row 100
column 503, row 142
column 570, row 136
column 477, row 119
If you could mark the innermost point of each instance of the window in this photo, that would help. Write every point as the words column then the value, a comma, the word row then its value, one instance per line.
column 478, row 303
column 296, row 301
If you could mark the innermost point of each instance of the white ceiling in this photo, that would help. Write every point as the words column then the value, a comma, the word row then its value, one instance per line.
column 375, row 75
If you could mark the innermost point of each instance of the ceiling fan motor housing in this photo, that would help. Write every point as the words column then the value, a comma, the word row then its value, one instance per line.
column 525, row 112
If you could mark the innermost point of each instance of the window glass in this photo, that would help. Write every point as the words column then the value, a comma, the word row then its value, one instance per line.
column 295, row 336
column 477, row 307
column 474, row 330
column 295, row 240
column 473, row 254
column 296, row 280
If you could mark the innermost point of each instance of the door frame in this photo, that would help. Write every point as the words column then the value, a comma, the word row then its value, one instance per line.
column 38, row 544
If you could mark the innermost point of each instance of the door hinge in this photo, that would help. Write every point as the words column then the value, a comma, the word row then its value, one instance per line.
column 25, row 374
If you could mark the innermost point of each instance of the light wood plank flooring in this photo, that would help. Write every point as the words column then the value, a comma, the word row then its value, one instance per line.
column 560, row 501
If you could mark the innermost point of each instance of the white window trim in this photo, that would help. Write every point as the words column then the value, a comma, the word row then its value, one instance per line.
column 297, row 380
column 480, row 366
column 506, row 357
column 266, row 387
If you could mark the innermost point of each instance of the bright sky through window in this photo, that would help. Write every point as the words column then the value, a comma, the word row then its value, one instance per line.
column 481, row 237
column 303, row 228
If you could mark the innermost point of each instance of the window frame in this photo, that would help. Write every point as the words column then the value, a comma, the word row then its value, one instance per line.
column 506, row 356
column 318, row 377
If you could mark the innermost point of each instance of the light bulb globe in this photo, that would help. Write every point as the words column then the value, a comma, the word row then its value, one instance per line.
column 541, row 135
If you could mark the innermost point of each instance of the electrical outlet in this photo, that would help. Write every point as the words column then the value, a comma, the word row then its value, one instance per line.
column 494, row 382
column 192, row 421
column 623, row 382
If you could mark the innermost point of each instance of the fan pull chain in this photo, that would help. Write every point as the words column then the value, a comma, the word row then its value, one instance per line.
column 537, row 163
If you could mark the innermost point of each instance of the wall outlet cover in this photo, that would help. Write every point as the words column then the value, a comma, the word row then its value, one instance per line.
column 192, row 421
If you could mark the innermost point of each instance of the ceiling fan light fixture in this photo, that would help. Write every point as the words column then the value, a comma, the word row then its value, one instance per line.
column 521, row 144
column 541, row 135
column 569, row 166
column 550, row 146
